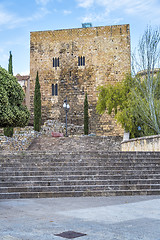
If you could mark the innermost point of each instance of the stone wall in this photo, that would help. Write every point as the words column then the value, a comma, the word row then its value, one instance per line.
column 56, row 126
column 150, row 143
column 107, row 60
column 21, row 140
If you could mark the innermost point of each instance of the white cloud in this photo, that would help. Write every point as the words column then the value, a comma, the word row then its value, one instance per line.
column 10, row 21
column 5, row 17
column 85, row 3
column 42, row 2
column 125, row 7
column 67, row 12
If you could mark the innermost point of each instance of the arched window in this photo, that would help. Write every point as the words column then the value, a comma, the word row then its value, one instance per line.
column 79, row 62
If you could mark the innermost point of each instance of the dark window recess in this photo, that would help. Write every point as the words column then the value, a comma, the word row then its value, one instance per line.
column 81, row 61
column 56, row 89
column 55, row 62
column 52, row 89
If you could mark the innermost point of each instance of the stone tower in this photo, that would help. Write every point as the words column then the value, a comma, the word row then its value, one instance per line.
column 72, row 62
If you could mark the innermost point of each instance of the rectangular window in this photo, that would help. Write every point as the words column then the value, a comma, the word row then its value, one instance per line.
column 56, row 89
column 56, row 62
column 52, row 89
column 81, row 61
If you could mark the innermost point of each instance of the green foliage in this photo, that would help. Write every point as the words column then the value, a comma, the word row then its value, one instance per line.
column 86, row 118
column 8, row 131
column 125, row 99
column 12, row 111
column 10, row 68
column 37, row 105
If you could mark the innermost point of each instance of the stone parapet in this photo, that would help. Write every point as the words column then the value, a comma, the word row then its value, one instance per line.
column 149, row 143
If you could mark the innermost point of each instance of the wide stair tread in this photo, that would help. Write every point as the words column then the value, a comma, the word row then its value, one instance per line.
column 43, row 174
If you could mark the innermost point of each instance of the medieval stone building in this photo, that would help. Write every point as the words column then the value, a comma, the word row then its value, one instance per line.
column 75, row 61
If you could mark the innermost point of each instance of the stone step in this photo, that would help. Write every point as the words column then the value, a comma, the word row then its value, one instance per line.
column 79, row 182
column 78, row 163
column 84, row 171
column 78, row 194
column 91, row 154
column 78, row 177
column 79, row 188
column 9, row 170
column 50, row 174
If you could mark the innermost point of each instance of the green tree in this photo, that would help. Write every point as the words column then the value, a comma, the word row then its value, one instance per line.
column 10, row 67
column 12, row 112
column 146, row 60
column 8, row 131
column 86, row 118
column 37, row 105
column 136, row 101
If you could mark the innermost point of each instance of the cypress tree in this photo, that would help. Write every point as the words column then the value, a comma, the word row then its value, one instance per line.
column 86, row 118
column 37, row 105
column 8, row 131
column 10, row 68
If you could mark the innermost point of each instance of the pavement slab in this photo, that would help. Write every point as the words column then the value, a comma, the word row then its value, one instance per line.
column 100, row 218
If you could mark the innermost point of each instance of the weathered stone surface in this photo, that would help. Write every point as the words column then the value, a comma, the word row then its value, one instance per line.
column 107, row 60
column 148, row 143
column 34, row 174
column 21, row 140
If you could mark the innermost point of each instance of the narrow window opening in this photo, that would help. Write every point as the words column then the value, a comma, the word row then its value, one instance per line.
column 55, row 62
column 83, row 61
column 56, row 89
column 52, row 89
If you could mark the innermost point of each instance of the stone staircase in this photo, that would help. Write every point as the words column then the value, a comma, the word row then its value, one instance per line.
column 42, row 174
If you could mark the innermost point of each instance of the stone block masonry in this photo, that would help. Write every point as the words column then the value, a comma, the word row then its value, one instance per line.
column 74, row 61
column 142, row 144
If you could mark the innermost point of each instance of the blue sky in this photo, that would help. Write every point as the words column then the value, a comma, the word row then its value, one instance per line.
column 19, row 17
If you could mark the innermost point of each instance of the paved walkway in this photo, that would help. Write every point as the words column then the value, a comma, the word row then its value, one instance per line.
column 101, row 218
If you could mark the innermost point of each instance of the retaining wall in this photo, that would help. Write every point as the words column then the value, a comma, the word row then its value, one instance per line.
column 148, row 143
